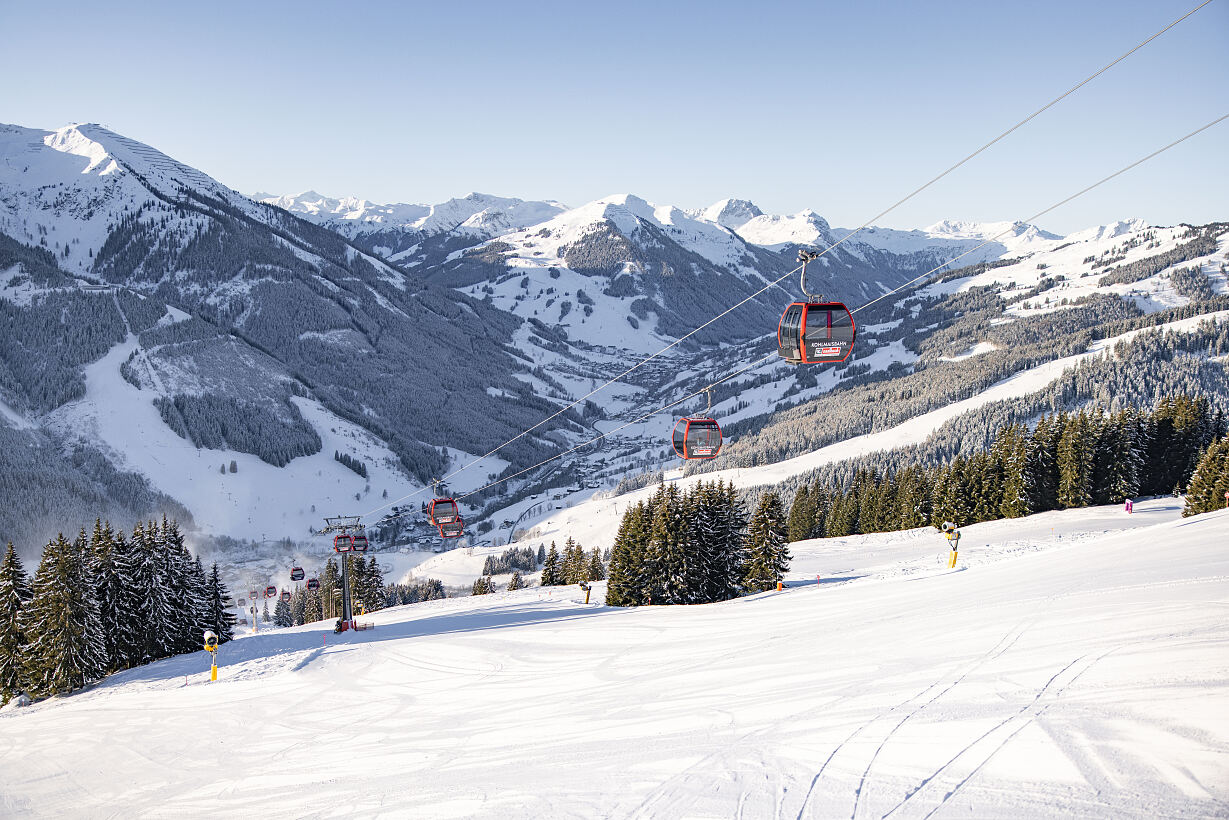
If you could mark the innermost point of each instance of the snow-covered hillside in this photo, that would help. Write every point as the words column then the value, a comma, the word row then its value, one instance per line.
column 1073, row 664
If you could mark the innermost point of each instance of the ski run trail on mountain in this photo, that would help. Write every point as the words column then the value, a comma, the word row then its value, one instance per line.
column 1073, row 664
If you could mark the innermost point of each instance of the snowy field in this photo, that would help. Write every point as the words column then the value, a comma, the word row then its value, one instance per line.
column 1074, row 664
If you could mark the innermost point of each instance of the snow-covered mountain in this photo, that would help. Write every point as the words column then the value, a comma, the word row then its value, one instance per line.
column 157, row 319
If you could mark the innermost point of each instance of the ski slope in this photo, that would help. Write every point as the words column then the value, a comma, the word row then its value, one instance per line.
column 1074, row 664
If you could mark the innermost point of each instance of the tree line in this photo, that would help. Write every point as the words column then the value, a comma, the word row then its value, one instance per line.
column 104, row 603
column 697, row 546
column 1067, row 460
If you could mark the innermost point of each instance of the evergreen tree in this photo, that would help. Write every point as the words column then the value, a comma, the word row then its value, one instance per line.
column 1210, row 481
column 265, row 617
column 541, row 554
column 627, row 582
column 15, row 592
column 133, row 609
column 313, row 607
column 1075, row 462
column 108, row 585
column 1042, row 464
column 517, row 582
column 596, row 571
column 298, row 606
column 675, row 577
column 330, row 590
column 219, row 618
column 482, row 586
column 281, row 613
column 768, row 553
column 551, row 570
column 802, row 515
column 61, row 653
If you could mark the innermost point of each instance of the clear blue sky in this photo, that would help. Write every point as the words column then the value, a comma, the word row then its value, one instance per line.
column 842, row 108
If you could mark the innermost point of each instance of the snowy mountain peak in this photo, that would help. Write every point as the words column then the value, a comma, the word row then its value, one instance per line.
column 731, row 213
column 959, row 229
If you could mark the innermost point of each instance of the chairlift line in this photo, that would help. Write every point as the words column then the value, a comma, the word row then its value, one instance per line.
column 839, row 242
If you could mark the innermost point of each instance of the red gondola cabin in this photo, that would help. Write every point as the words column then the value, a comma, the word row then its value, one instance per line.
column 697, row 438
column 343, row 542
column 816, row 333
column 296, row 574
column 285, row 596
column 360, row 543
column 452, row 529
column 270, row 592
column 313, row 584
column 444, row 511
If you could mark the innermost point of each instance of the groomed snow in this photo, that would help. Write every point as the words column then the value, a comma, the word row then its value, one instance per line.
column 1074, row 665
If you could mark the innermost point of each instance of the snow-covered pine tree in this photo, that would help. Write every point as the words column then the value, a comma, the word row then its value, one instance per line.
column 626, row 586
column 221, row 620
column 164, row 632
column 281, row 614
column 1017, row 492
column 58, row 656
column 313, row 607
column 670, row 544
column 375, row 599
column 15, row 592
column 86, row 608
column 298, row 606
column 482, row 586
column 517, row 581
column 1210, row 481
column 108, row 590
column 132, row 571
column 265, row 617
column 551, row 570
column 596, row 571
column 330, row 590
column 541, row 554
column 768, row 553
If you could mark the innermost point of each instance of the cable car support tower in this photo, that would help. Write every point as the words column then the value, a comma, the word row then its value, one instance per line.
column 348, row 533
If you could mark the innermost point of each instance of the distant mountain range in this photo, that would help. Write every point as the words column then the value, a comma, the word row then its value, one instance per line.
column 160, row 326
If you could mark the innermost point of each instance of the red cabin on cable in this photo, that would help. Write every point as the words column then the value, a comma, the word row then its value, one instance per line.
column 343, row 542
column 697, row 438
column 444, row 511
column 815, row 331
column 270, row 592
column 253, row 595
column 296, row 573
column 452, row 529
column 313, row 584
column 285, row 596
column 359, row 543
